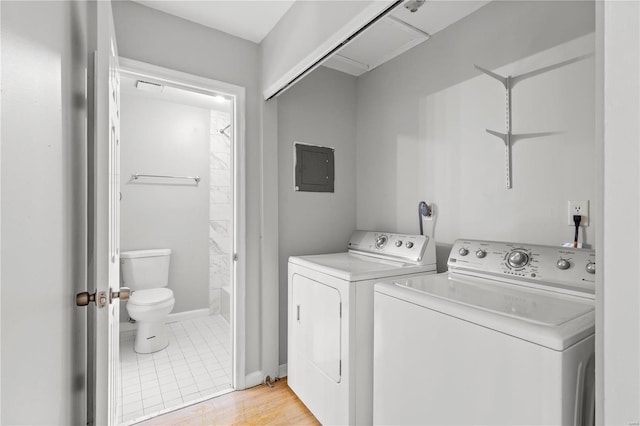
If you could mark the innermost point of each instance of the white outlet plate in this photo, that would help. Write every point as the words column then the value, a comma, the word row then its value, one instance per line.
column 581, row 208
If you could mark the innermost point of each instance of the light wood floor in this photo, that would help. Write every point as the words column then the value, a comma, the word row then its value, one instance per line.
column 260, row 405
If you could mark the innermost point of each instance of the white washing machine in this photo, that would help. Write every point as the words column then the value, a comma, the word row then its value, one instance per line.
column 506, row 337
column 330, row 330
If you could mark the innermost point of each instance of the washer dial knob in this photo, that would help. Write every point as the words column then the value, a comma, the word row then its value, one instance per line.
column 409, row 244
column 463, row 251
column 399, row 243
column 591, row 267
column 381, row 241
column 517, row 259
column 481, row 254
column 563, row 264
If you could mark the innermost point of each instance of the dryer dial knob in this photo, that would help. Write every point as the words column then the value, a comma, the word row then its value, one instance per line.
column 399, row 243
column 563, row 264
column 591, row 267
column 517, row 259
column 381, row 241
column 409, row 244
column 481, row 254
column 463, row 251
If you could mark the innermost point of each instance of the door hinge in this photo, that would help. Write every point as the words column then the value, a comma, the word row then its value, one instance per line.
column 235, row 257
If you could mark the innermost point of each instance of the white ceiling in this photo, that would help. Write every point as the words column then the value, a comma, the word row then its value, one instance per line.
column 436, row 15
column 253, row 19
column 248, row 19
column 398, row 32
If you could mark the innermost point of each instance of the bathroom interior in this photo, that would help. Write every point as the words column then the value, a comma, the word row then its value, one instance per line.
column 176, row 208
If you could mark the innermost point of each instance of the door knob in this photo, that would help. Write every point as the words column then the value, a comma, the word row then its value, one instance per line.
column 122, row 294
column 99, row 298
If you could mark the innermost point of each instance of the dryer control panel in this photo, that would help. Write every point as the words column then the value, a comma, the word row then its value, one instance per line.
column 387, row 245
column 564, row 268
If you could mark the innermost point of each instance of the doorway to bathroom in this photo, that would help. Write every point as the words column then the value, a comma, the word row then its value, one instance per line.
column 181, row 180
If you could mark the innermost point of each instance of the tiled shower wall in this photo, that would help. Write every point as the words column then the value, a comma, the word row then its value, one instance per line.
column 220, row 212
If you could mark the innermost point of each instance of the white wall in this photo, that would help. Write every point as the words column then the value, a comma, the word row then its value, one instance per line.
column 44, row 57
column 618, row 296
column 422, row 120
column 269, row 239
column 320, row 110
column 1, row 82
column 167, row 138
column 154, row 37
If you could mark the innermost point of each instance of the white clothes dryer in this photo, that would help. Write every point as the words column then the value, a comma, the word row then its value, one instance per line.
column 505, row 337
column 330, row 328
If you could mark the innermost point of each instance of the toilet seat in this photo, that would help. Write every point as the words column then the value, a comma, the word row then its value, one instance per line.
column 150, row 297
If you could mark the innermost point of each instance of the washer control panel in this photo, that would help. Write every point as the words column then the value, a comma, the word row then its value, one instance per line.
column 563, row 267
column 413, row 248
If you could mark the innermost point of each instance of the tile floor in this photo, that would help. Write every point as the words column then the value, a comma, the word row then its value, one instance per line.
column 196, row 364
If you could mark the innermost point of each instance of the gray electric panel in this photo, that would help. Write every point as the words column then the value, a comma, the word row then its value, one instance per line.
column 315, row 168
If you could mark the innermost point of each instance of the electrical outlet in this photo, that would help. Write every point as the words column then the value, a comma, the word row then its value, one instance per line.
column 581, row 208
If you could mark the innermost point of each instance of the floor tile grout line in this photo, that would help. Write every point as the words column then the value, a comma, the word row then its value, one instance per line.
column 193, row 334
column 190, row 371
column 213, row 352
column 199, row 352
column 201, row 329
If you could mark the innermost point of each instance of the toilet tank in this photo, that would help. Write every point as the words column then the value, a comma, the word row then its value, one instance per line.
column 145, row 269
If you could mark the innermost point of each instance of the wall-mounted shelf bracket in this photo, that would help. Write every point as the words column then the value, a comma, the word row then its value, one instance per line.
column 506, row 137
column 501, row 79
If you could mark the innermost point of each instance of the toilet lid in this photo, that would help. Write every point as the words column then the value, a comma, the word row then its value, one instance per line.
column 151, row 296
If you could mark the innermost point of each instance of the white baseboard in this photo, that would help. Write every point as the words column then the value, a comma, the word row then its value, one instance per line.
column 257, row 377
column 127, row 326
column 178, row 316
column 187, row 315
column 282, row 371
column 254, row 379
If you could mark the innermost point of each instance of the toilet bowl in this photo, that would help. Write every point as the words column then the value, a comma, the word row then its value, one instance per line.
column 150, row 309
column 146, row 272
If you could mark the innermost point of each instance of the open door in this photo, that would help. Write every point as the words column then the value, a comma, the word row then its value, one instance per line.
column 106, row 214
column 104, row 229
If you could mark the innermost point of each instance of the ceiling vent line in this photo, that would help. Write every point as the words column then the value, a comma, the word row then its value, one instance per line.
column 390, row 37
column 351, row 62
column 408, row 25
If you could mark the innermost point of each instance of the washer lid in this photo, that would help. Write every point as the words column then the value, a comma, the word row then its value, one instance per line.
column 151, row 296
column 547, row 318
column 356, row 267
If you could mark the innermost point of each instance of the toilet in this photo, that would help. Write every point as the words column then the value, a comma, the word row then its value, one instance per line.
column 146, row 273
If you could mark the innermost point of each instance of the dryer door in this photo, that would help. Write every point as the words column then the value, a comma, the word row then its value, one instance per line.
column 316, row 329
